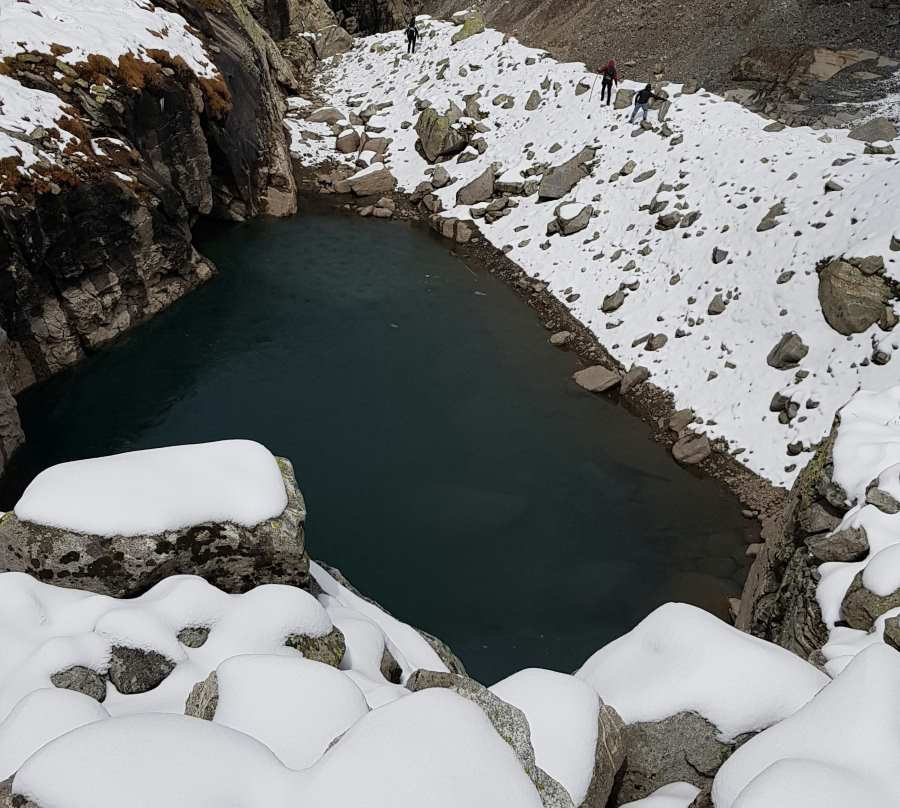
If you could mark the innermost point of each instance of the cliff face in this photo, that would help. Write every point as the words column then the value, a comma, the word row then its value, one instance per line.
column 98, row 196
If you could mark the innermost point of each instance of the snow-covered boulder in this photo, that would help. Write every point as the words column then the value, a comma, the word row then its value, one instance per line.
column 296, row 707
column 839, row 750
column 374, row 179
column 227, row 511
column 509, row 722
column 688, row 688
column 577, row 739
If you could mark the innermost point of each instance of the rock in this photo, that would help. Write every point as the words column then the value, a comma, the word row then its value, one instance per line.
column 691, row 449
column 861, row 608
column 376, row 180
column 331, row 41
column 473, row 24
column 596, row 379
column 718, row 256
column 440, row 177
column 874, row 130
column 681, row 748
column 892, row 632
column 229, row 556
column 624, row 99
column 613, row 302
column 634, row 377
column 775, row 126
column 568, row 226
column 560, row 180
column 193, row 636
column 850, row 544
column 533, row 102
column 437, row 136
column 134, row 670
column 879, row 147
column 851, row 301
column 832, row 186
column 203, row 699
column 325, row 115
column 716, row 306
column 510, row 724
column 656, row 342
column 668, row 221
column 882, row 500
column 347, row 142
column 83, row 680
column 680, row 420
column 328, row 648
column 788, row 352
column 478, row 190
column 770, row 220
column 561, row 338
column 690, row 87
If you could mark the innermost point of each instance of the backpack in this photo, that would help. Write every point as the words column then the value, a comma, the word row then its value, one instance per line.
column 609, row 73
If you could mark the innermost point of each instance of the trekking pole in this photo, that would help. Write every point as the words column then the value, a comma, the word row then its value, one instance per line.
column 591, row 96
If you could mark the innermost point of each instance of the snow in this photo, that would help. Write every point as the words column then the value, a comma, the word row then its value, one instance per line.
column 841, row 749
column 882, row 572
column 409, row 648
column 46, row 629
column 727, row 168
column 40, row 717
column 562, row 713
column 680, row 658
column 674, row 795
column 296, row 707
column 22, row 110
column 108, row 28
column 155, row 490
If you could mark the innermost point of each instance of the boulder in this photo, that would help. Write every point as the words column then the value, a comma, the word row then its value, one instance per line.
column 135, row 670
column 560, row 180
column 691, row 449
column 875, row 130
column 83, row 680
column 440, row 177
column 861, row 608
column 892, row 632
column 230, row 556
column 624, row 99
column 478, row 190
column 850, row 544
column 437, row 136
column 788, row 352
column 634, row 377
column 852, row 301
column 570, row 219
column 561, row 338
column 716, row 306
column 377, row 179
column 472, row 24
column 331, row 41
column 509, row 722
column 597, row 379
column 533, row 102
column 681, row 748
column 882, row 500
column 193, row 636
column 328, row 648
column 613, row 301
column 325, row 115
column 347, row 142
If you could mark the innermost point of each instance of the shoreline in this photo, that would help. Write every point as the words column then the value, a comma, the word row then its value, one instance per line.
column 761, row 501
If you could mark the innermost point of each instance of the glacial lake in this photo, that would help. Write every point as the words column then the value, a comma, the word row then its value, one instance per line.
column 451, row 468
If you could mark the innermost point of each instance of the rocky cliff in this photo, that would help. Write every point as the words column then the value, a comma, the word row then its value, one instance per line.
column 115, row 136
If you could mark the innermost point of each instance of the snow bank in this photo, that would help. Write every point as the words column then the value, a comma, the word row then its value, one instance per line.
column 674, row 795
column 110, row 28
column 563, row 714
column 296, row 707
column 727, row 169
column 841, row 749
column 46, row 629
column 152, row 491
column 681, row 658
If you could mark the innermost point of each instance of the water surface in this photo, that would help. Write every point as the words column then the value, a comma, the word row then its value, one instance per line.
column 450, row 467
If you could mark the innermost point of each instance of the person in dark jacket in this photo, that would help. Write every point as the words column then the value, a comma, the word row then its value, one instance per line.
column 412, row 36
column 642, row 102
column 610, row 74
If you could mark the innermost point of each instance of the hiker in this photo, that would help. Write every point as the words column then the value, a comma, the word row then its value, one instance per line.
column 642, row 101
column 412, row 36
column 610, row 75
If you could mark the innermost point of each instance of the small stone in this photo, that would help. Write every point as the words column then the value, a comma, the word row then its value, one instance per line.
column 656, row 342
column 716, row 306
column 787, row 353
column 613, row 302
column 691, row 449
column 634, row 377
column 134, row 670
column 718, row 256
column 561, row 338
column 193, row 636
column 596, row 379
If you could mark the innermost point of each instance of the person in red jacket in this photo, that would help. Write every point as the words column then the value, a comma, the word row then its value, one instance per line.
column 610, row 74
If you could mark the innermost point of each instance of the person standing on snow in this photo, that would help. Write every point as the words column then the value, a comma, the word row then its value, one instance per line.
column 412, row 36
column 642, row 101
column 610, row 75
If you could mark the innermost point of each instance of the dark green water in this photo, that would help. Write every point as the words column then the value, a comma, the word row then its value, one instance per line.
column 451, row 468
